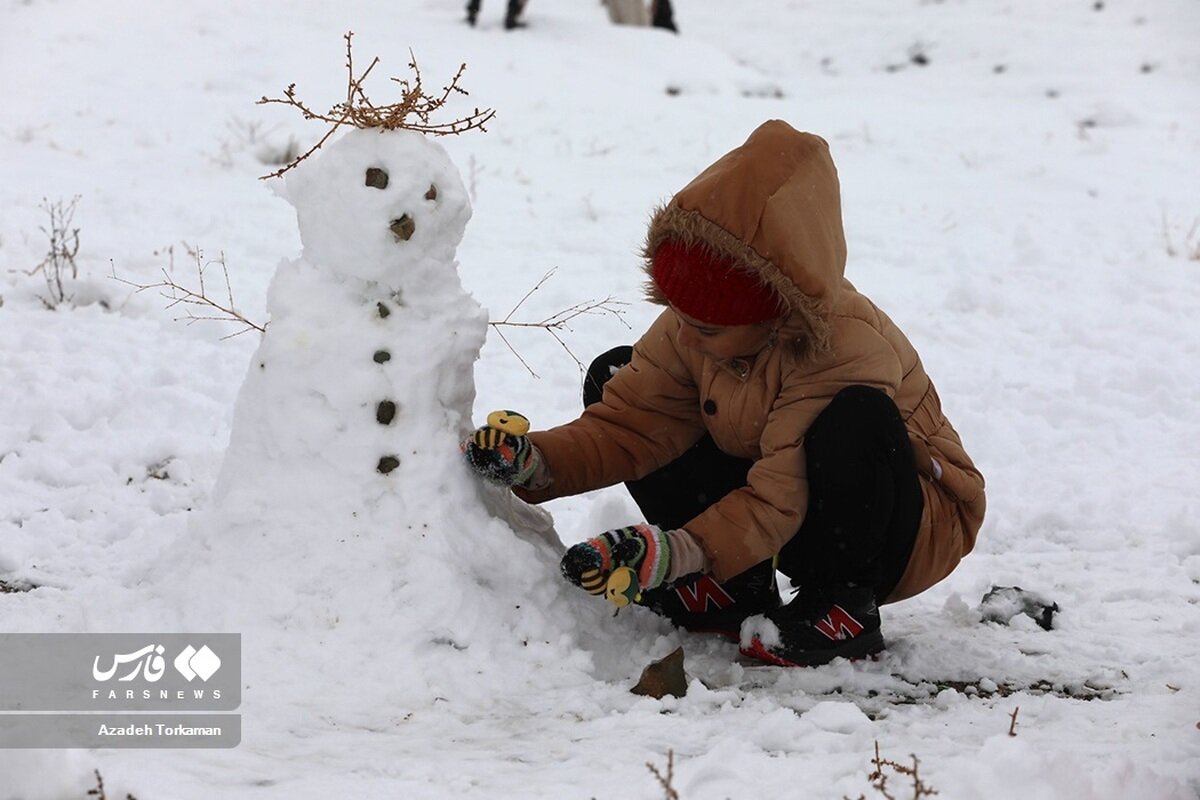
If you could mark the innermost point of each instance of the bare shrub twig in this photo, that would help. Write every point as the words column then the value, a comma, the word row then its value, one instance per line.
column 98, row 791
column 189, row 298
column 261, row 141
column 557, row 322
column 59, row 265
column 1012, row 724
column 412, row 112
column 669, row 791
column 879, row 777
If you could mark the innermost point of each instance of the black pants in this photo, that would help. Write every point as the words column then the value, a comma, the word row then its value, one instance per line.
column 865, row 501
column 514, row 9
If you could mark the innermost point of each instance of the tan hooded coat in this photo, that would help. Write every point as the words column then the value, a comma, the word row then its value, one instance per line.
column 774, row 206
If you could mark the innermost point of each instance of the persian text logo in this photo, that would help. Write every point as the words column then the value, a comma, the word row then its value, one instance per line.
column 148, row 661
column 150, row 664
column 193, row 663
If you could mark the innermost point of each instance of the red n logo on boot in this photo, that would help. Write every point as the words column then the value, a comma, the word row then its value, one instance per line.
column 838, row 624
column 696, row 596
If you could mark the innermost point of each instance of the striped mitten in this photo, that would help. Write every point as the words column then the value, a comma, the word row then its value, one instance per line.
column 643, row 548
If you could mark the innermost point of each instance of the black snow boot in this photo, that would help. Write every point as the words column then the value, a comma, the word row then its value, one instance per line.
column 699, row 604
column 816, row 628
column 473, row 11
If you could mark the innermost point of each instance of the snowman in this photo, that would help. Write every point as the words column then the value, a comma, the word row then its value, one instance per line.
column 344, row 526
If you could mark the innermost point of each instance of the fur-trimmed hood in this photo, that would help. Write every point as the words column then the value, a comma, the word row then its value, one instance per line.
column 773, row 206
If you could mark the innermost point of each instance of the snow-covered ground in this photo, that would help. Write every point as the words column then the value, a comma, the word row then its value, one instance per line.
column 1020, row 193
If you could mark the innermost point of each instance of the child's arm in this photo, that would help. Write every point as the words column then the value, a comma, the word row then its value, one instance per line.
column 648, row 417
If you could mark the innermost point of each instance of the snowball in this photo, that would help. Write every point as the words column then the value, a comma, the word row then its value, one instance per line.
column 761, row 628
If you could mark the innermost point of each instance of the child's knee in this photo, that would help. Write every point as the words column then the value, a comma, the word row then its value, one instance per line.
column 602, row 368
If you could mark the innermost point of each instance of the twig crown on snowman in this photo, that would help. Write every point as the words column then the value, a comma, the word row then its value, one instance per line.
column 411, row 113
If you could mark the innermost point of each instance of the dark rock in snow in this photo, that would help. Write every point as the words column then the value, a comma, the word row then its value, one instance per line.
column 663, row 677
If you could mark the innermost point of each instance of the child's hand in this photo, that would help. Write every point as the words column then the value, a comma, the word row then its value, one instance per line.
column 621, row 563
column 501, row 452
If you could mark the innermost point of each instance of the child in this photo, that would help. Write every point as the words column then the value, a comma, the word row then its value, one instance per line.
column 771, row 417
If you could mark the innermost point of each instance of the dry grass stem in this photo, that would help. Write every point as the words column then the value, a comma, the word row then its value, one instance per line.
column 669, row 792
column 59, row 265
column 98, row 791
column 190, row 299
column 413, row 112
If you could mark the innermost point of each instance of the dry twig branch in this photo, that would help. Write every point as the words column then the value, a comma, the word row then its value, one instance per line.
column 180, row 295
column 64, row 246
column 669, row 791
column 557, row 322
column 98, row 791
column 411, row 113
column 879, row 778
column 1012, row 724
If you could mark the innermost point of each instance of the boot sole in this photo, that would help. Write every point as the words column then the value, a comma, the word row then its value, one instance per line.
column 866, row 646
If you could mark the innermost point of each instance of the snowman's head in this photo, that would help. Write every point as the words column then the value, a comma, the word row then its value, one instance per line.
column 375, row 202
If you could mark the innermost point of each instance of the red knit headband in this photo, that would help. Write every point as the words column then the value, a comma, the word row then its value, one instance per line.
column 712, row 289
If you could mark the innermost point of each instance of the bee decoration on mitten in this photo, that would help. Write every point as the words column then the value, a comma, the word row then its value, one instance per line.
column 499, row 425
